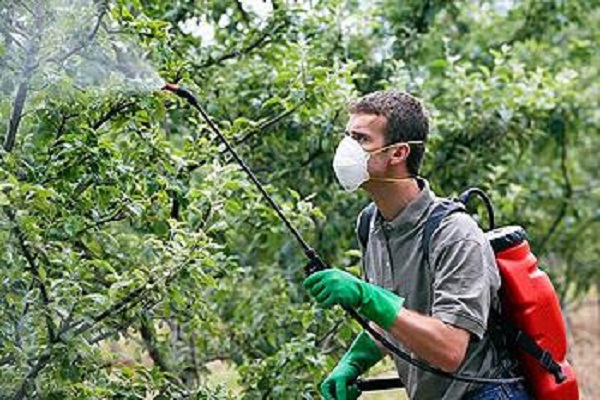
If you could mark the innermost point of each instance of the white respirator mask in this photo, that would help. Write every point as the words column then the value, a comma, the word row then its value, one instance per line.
column 350, row 163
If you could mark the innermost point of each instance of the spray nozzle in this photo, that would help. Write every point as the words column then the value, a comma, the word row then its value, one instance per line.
column 171, row 87
column 183, row 93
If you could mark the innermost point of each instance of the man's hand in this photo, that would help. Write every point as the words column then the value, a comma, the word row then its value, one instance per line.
column 333, row 286
column 360, row 357
column 338, row 385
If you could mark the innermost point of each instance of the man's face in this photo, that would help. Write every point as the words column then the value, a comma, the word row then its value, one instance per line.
column 369, row 131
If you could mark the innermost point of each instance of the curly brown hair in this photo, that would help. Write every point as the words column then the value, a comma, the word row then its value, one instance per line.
column 406, row 120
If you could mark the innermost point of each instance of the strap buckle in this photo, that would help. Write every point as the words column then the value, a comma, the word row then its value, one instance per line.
column 552, row 366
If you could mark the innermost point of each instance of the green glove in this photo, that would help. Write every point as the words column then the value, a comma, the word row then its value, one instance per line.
column 361, row 356
column 333, row 286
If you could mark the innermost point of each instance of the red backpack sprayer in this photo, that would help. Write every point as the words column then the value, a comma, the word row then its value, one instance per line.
column 529, row 301
column 531, row 319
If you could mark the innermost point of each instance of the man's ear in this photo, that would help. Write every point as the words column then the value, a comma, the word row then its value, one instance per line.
column 400, row 154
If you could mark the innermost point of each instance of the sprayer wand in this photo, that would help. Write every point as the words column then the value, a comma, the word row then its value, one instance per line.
column 316, row 263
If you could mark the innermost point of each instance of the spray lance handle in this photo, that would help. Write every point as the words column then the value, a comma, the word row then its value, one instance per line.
column 315, row 262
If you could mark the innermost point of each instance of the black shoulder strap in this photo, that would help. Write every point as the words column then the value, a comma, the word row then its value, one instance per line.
column 364, row 225
column 440, row 211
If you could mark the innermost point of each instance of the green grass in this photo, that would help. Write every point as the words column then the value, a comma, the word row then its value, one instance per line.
column 384, row 369
column 388, row 394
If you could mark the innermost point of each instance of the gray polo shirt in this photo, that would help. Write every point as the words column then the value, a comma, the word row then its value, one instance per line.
column 457, row 288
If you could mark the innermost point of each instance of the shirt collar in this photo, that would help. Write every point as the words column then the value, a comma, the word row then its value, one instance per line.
column 413, row 213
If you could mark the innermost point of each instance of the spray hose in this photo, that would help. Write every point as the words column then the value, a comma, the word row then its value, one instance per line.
column 316, row 263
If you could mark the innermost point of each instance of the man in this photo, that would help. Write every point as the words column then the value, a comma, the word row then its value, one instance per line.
column 438, row 312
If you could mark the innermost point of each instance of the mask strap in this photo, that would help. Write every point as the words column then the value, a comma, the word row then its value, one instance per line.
column 392, row 179
column 395, row 145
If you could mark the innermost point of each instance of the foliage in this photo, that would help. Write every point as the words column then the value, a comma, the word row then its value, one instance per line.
column 122, row 216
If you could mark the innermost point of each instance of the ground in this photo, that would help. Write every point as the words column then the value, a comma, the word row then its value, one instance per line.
column 584, row 324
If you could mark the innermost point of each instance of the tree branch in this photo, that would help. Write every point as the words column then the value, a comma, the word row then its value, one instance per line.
column 112, row 112
column 567, row 192
column 17, row 113
column 25, row 6
column 243, row 13
column 76, row 162
column 193, row 355
column 325, row 339
column 30, row 66
column 149, row 337
column 267, row 124
column 136, row 296
column 117, row 215
column 10, row 37
column 262, row 39
column 34, row 270
column 9, row 359
column 147, row 304
column 247, row 135
column 33, row 372
column 309, row 160
column 421, row 23
column 44, row 358
column 83, row 43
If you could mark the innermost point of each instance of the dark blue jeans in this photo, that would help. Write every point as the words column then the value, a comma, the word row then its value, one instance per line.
column 500, row 391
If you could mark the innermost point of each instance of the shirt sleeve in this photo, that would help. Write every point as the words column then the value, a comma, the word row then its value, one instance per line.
column 465, row 277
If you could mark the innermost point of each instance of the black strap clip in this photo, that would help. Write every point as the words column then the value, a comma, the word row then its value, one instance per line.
column 552, row 366
column 542, row 356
